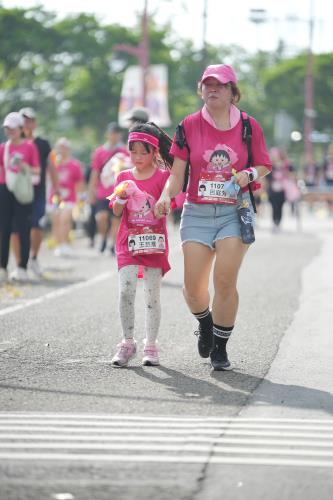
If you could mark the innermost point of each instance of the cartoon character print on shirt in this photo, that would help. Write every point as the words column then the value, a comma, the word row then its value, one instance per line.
column 146, row 234
column 145, row 215
column 220, row 160
column 215, row 183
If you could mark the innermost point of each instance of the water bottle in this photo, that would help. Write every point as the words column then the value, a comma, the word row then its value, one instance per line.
column 245, row 220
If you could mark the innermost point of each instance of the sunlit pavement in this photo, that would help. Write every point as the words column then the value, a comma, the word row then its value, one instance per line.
column 71, row 427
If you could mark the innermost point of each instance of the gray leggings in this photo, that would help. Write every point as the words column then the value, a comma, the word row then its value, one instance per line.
column 127, row 290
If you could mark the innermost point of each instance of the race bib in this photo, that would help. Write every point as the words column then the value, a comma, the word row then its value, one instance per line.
column 216, row 191
column 143, row 241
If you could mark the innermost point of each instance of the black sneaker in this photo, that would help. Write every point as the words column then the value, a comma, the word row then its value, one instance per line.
column 205, row 341
column 219, row 359
column 103, row 245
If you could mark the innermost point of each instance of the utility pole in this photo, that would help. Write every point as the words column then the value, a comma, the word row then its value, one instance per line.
column 141, row 51
column 259, row 16
column 204, row 35
column 309, row 112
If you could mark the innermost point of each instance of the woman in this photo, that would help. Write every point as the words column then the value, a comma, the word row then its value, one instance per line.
column 281, row 185
column 15, row 155
column 106, row 221
column 71, row 182
column 210, row 225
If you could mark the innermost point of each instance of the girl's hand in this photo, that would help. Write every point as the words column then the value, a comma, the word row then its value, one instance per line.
column 162, row 207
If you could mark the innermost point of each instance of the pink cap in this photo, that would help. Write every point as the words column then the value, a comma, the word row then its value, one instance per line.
column 222, row 72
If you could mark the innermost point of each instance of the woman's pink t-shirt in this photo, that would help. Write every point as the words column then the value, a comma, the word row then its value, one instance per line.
column 27, row 149
column 100, row 157
column 69, row 174
column 206, row 142
column 153, row 187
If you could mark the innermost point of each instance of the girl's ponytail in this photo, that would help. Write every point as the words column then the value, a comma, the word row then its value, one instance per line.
column 165, row 145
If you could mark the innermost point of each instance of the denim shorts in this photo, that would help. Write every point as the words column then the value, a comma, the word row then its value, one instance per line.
column 207, row 223
column 38, row 210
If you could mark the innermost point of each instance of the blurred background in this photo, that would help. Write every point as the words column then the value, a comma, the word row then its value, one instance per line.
column 81, row 65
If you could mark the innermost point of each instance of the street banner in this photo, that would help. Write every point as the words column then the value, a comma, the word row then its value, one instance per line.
column 156, row 94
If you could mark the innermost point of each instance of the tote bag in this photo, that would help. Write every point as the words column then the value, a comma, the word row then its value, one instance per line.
column 19, row 183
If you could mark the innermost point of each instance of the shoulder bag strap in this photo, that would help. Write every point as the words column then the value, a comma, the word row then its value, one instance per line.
column 247, row 138
column 182, row 143
column 6, row 155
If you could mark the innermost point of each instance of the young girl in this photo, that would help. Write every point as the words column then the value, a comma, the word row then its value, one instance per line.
column 142, row 239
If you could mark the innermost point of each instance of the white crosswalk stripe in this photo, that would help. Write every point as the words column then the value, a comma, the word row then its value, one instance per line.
column 169, row 439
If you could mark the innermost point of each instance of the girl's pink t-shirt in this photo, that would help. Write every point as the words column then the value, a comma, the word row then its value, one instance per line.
column 27, row 149
column 69, row 174
column 100, row 157
column 130, row 221
column 218, row 151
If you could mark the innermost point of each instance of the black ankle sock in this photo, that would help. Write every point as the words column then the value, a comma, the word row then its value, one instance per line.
column 221, row 335
column 205, row 319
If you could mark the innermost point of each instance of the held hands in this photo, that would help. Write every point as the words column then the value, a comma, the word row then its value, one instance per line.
column 242, row 179
column 245, row 177
column 162, row 207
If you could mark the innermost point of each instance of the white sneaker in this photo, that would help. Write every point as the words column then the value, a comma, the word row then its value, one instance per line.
column 3, row 275
column 19, row 274
column 63, row 251
column 35, row 267
column 67, row 250
column 57, row 251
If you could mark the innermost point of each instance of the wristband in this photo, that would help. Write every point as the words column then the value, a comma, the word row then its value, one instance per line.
column 121, row 201
column 252, row 174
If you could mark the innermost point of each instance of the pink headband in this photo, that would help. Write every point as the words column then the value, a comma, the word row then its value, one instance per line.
column 143, row 137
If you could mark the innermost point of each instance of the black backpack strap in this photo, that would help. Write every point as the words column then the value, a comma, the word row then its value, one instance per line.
column 182, row 143
column 247, row 138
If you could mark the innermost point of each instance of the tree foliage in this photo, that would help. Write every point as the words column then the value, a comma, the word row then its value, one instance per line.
column 68, row 70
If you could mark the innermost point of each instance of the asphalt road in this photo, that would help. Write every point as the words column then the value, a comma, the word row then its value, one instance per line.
column 73, row 427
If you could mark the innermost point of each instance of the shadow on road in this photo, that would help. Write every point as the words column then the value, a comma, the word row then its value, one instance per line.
column 232, row 388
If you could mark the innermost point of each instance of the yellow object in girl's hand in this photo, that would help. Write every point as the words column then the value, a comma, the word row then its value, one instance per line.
column 118, row 191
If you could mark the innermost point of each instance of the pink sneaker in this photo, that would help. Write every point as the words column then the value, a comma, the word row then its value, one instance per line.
column 126, row 351
column 150, row 356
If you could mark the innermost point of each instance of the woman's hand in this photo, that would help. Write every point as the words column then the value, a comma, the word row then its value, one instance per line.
column 162, row 207
column 242, row 178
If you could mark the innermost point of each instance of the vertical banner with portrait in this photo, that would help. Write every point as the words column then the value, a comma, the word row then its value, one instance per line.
column 156, row 94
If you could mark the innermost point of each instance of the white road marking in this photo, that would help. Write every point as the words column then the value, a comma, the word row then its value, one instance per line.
column 209, row 425
column 308, row 443
column 65, row 290
column 157, row 418
column 133, row 431
column 161, row 448
column 165, row 459
column 56, row 293
column 81, row 437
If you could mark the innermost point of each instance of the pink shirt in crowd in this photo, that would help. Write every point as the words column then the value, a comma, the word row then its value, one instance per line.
column 28, row 151
column 214, row 153
column 136, row 223
column 69, row 174
column 101, row 155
